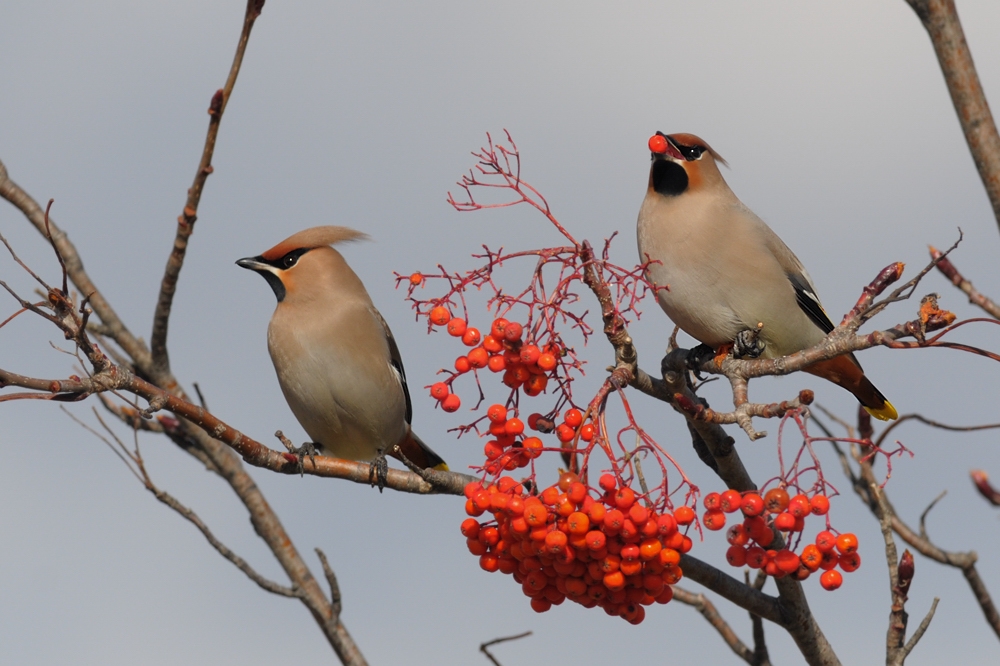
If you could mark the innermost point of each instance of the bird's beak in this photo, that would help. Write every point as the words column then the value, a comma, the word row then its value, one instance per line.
column 254, row 264
column 666, row 149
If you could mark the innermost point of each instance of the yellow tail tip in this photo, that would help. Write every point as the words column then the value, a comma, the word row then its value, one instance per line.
column 443, row 467
column 885, row 413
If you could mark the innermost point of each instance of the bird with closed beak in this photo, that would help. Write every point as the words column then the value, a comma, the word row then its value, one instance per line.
column 720, row 271
column 337, row 363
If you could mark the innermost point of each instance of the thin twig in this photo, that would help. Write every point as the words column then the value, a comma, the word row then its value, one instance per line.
column 484, row 646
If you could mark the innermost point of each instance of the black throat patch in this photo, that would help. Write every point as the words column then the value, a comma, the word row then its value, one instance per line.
column 668, row 177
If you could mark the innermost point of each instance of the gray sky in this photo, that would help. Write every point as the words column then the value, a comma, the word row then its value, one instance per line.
column 839, row 133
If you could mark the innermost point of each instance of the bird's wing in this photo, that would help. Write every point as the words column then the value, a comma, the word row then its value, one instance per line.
column 805, row 290
column 397, row 363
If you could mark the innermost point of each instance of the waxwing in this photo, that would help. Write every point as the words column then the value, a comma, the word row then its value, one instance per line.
column 337, row 362
column 719, row 270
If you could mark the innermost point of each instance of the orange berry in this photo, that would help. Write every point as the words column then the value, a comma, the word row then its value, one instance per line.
column 546, row 361
column 830, row 560
column 471, row 337
column 657, row 144
column 847, row 543
column 512, row 331
column 451, row 403
column 532, row 447
column 670, row 557
column 597, row 512
column 784, row 521
column 595, row 540
column 440, row 315
column 529, row 354
column 613, row 521
column 535, row 385
column 497, row 413
column 819, row 505
column 736, row 556
column 738, row 535
column 555, row 542
column 497, row 428
column 514, row 427
column 786, row 560
column 756, row 557
column 492, row 345
column 456, row 327
column 684, row 515
column 470, row 528
column 825, row 541
column 799, row 506
column 831, row 580
column 577, row 492
column 536, row 515
column 624, row 498
column 497, row 328
column 776, row 500
column 650, row 548
column 550, row 495
column 492, row 450
column 811, row 557
column 578, row 523
column 496, row 363
column 714, row 520
column 416, row 278
column 476, row 547
column 614, row 580
column 565, row 433
column 478, row 358
column 712, row 501
column 849, row 562
column 607, row 482
column 730, row 501
column 666, row 525
column 752, row 504
column 638, row 514
column 587, row 432
column 439, row 391
column 573, row 418
column 462, row 364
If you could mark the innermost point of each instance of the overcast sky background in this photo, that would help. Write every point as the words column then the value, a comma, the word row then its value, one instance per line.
column 839, row 132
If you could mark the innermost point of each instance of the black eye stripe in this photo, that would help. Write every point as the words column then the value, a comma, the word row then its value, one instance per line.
column 691, row 153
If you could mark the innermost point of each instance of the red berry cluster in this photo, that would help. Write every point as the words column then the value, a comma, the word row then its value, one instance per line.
column 609, row 551
column 524, row 365
column 777, row 511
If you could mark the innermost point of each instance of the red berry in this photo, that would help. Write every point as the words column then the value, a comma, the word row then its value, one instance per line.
column 532, row 447
column 624, row 498
column 831, row 580
column 730, row 501
column 456, row 327
column 799, row 506
column 514, row 427
column 497, row 413
column 496, row 363
column 492, row 344
column 546, row 361
column 657, row 144
column 573, row 418
column 684, row 515
column 752, row 504
column 607, row 482
column 736, row 556
column 784, row 522
column 825, row 541
column 529, row 354
column 440, row 315
column 786, row 560
column 819, row 505
column 714, row 520
column 849, row 562
column 478, row 358
column 451, row 403
column 498, row 327
column 847, row 543
column 462, row 364
column 587, row 432
column 471, row 337
column 439, row 391
column 512, row 331
column 712, row 501
column 416, row 279
column 565, row 433
column 470, row 528
column 776, row 500
column 737, row 535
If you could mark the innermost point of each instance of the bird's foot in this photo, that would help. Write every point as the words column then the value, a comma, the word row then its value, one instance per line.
column 378, row 471
column 696, row 357
column 748, row 343
column 299, row 453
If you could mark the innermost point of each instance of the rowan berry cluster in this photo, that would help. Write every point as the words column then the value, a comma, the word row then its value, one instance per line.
column 776, row 512
column 525, row 365
column 608, row 551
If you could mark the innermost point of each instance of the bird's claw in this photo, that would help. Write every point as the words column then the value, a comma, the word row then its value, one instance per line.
column 378, row 471
column 748, row 344
column 300, row 453
column 696, row 357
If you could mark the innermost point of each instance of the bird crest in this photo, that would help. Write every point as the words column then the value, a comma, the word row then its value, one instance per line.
column 313, row 237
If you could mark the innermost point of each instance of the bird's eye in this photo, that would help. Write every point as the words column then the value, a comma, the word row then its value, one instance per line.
column 289, row 259
column 691, row 153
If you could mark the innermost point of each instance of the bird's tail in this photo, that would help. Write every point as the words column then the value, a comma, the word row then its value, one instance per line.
column 420, row 454
column 845, row 371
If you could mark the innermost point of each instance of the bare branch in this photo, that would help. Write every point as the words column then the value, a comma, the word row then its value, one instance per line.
column 484, row 646
column 708, row 610
column 940, row 19
column 957, row 279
